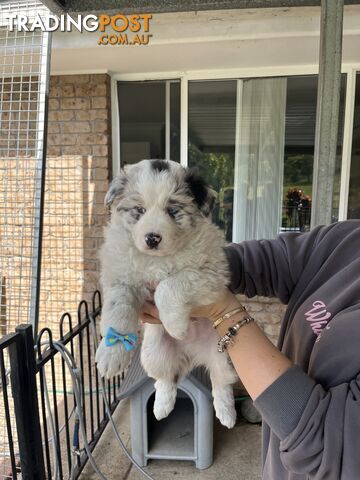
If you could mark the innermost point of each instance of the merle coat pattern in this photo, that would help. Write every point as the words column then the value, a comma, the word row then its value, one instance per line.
column 160, row 234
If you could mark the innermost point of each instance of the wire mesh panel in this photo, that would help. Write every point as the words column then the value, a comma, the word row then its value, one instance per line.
column 23, row 85
column 24, row 72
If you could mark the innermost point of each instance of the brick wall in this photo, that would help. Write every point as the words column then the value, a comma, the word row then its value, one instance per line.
column 268, row 313
column 78, row 165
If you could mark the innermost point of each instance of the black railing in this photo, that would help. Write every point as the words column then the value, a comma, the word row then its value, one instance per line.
column 9, row 457
column 24, row 452
column 45, row 410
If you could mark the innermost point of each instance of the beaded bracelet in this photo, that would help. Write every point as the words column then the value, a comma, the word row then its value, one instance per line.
column 227, row 339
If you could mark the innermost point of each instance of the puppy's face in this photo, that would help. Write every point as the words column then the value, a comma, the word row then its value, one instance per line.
column 159, row 202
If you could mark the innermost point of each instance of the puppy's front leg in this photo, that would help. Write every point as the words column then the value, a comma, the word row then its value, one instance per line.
column 121, row 312
column 173, row 299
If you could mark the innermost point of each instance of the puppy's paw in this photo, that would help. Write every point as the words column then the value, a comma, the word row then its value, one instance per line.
column 177, row 330
column 176, row 324
column 163, row 406
column 162, row 411
column 112, row 360
column 165, row 398
column 174, row 317
column 226, row 415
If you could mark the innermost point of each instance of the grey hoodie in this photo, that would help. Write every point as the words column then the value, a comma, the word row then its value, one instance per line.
column 311, row 413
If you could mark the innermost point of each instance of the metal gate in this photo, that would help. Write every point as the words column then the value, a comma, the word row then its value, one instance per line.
column 43, row 400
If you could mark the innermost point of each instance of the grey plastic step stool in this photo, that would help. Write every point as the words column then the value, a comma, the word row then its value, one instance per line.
column 186, row 434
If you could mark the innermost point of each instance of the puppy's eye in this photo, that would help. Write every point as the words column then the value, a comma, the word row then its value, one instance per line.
column 140, row 210
column 172, row 211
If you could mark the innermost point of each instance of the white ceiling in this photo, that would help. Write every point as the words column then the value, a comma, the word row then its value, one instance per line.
column 196, row 41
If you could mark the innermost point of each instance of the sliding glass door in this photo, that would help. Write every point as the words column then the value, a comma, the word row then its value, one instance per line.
column 259, row 158
column 211, row 140
column 354, row 187
column 253, row 140
column 300, row 121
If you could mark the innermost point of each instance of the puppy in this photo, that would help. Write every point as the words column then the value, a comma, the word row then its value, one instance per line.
column 160, row 234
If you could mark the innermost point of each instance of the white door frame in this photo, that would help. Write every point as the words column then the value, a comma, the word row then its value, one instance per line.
column 236, row 207
column 347, row 144
column 115, row 127
column 184, row 126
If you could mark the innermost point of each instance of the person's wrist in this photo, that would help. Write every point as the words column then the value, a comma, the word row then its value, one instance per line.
column 232, row 305
column 224, row 326
column 229, row 303
column 225, row 303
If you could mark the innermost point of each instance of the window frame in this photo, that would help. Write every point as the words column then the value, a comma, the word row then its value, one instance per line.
column 239, row 75
column 347, row 143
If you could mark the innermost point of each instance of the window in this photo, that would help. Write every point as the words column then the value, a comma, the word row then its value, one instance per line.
column 300, row 124
column 354, row 187
column 299, row 152
column 253, row 141
column 149, row 120
column 259, row 158
column 212, row 122
column 277, row 118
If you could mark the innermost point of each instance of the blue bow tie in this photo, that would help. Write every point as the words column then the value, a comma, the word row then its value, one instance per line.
column 113, row 337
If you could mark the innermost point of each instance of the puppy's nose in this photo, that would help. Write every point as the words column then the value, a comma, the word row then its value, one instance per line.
column 152, row 239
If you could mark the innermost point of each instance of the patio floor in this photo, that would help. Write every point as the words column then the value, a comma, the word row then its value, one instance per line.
column 236, row 455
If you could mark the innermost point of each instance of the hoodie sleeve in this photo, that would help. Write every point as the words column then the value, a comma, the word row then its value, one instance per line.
column 271, row 268
column 318, row 421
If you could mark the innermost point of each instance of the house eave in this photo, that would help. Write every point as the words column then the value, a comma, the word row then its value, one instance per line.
column 167, row 6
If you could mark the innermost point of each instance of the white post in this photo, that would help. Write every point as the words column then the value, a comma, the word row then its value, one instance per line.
column 167, row 120
column 184, row 100
column 237, row 179
column 347, row 144
column 115, row 129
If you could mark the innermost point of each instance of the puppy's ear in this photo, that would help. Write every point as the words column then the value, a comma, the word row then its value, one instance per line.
column 203, row 195
column 116, row 188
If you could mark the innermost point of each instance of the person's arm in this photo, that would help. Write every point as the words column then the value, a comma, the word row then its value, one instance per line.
column 262, row 368
column 317, row 422
column 257, row 361
column 272, row 268
column 316, row 416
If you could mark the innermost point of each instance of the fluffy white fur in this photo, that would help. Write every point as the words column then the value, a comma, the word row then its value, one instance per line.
column 189, row 268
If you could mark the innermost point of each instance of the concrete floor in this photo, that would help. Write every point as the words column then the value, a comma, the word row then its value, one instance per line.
column 236, row 455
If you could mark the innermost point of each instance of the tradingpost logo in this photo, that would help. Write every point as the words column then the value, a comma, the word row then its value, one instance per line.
column 114, row 29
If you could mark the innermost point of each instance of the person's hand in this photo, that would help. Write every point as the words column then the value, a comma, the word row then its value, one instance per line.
column 149, row 313
column 226, row 302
